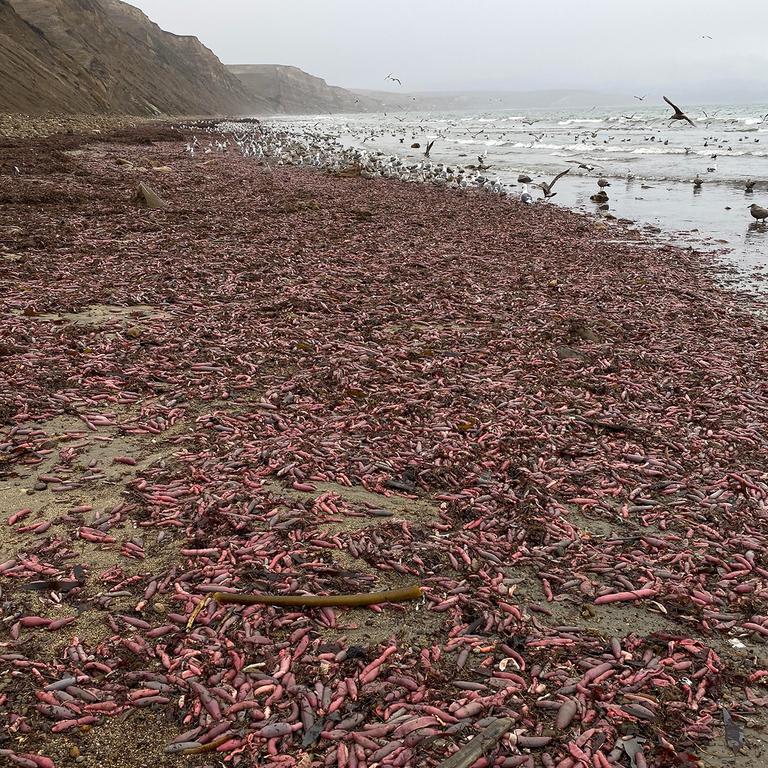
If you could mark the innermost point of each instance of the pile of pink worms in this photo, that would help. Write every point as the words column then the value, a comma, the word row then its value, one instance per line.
column 565, row 428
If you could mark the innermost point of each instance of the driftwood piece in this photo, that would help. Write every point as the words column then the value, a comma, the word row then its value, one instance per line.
column 318, row 601
column 148, row 198
column 476, row 748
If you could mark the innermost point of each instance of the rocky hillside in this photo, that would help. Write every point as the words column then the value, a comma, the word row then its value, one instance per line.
column 290, row 90
column 34, row 72
column 106, row 56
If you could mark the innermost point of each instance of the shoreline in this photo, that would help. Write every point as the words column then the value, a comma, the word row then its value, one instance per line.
column 659, row 196
column 571, row 417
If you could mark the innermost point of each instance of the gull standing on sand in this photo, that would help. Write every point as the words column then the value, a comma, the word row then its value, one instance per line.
column 758, row 212
column 525, row 196
column 679, row 114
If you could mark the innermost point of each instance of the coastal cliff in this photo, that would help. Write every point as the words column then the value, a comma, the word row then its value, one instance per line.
column 105, row 56
column 290, row 90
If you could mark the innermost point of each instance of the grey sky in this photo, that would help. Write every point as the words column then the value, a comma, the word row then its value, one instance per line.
column 496, row 44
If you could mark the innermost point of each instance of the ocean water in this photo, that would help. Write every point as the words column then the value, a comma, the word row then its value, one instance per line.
column 649, row 163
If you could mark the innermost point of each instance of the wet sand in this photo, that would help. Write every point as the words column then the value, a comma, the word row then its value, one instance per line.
column 288, row 381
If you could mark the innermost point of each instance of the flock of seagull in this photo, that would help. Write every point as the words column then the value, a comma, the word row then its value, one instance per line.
column 316, row 149
column 320, row 149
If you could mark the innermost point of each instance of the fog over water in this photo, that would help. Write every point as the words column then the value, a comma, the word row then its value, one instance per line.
column 654, row 45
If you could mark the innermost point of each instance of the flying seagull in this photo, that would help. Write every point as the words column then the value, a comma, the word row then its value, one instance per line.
column 393, row 79
column 679, row 114
column 640, row 98
column 547, row 188
column 429, row 147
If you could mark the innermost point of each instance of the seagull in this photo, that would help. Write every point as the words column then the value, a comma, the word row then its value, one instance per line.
column 758, row 212
column 526, row 197
column 547, row 188
column 706, row 37
column 679, row 114
column 585, row 166
column 749, row 185
column 640, row 98
column 697, row 182
column 429, row 147
column 602, row 183
column 393, row 79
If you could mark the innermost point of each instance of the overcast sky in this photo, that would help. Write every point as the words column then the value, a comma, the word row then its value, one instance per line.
column 498, row 44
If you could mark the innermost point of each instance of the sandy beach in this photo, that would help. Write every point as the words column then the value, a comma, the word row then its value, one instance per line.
column 286, row 381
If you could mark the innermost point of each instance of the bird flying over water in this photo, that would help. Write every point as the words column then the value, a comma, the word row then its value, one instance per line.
column 547, row 187
column 640, row 98
column 429, row 147
column 679, row 114
column 393, row 79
